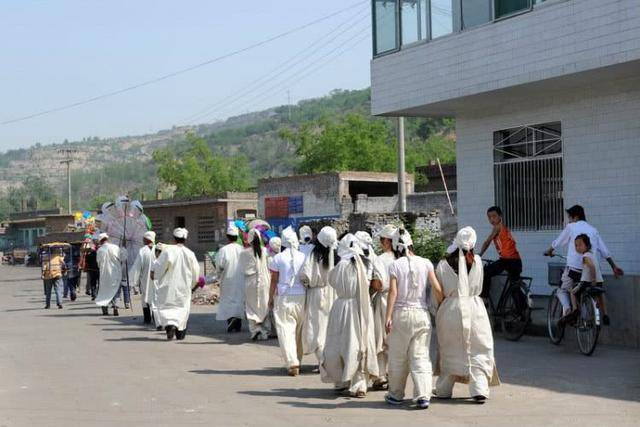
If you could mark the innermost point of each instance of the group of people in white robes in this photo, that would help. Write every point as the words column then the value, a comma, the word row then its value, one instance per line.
column 165, row 274
column 365, row 317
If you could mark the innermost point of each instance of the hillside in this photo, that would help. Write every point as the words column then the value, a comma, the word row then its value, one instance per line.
column 105, row 167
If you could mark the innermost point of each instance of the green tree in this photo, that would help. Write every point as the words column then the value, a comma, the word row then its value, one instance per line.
column 351, row 142
column 197, row 171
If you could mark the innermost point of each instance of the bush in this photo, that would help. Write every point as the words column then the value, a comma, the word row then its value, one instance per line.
column 428, row 245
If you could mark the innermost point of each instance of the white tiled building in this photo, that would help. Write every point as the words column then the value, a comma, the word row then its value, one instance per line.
column 546, row 96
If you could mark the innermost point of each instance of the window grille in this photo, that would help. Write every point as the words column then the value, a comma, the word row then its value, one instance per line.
column 206, row 229
column 528, row 176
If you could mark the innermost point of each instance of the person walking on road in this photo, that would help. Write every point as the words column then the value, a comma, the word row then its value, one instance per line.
column 110, row 258
column 52, row 272
column 231, row 305
column 287, row 299
column 465, row 339
column 176, row 272
column 141, row 273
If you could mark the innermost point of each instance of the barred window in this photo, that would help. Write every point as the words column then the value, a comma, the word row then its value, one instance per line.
column 157, row 226
column 207, row 232
column 527, row 173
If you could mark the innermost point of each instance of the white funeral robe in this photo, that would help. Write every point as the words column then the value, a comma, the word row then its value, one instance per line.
column 350, row 347
column 315, row 277
column 231, row 282
column 257, row 283
column 176, row 272
column 110, row 258
column 141, row 273
column 465, row 340
column 381, row 266
column 306, row 249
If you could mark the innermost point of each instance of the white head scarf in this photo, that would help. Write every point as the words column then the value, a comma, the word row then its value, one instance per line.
column 180, row 233
column 275, row 244
column 465, row 241
column 232, row 230
column 306, row 234
column 102, row 236
column 289, row 238
column 150, row 236
column 388, row 231
column 328, row 237
column 349, row 247
column 401, row 243
column 365, row 239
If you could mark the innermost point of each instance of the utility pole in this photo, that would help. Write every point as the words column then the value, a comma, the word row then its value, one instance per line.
column 402, row 185
column 289, row 102
column 67, row 160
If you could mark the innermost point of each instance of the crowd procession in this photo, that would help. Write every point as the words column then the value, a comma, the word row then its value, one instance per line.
column 365, row 317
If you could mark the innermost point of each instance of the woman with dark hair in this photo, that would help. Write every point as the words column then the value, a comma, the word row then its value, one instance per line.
column 408, row 322
column 315, row 277
column 465, row 340
column 254, row 262
column 349, row 358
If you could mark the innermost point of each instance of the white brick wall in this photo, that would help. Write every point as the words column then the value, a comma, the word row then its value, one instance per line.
column 601, row 145
column 554, row 40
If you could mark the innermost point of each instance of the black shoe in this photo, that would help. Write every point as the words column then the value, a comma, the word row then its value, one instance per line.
column 180, row 335
column 47, row 307
column 59, row 306
column 232, row 325
column 237, row 324
column 73, row 297
column 159, row 328
column 115, row 311
column 480, row 399
column 127, row 306
column 171, row 332
column 146, row 312
column 105, row 311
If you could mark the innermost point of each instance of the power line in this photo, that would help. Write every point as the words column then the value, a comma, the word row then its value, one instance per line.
column 285, row 81
column 301, row 56
column 181, row 71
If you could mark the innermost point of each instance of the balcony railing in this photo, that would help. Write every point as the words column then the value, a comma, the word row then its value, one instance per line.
column 399, row 23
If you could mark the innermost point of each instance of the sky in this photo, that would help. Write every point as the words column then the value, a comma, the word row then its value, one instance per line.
column 56, row 53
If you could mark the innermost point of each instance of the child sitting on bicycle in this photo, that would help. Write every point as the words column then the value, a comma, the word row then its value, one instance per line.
column 591, row 273
column 505, row 244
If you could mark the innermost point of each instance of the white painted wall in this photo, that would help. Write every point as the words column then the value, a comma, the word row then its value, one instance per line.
column 601, row 148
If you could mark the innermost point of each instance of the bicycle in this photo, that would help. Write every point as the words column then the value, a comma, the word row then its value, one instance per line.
column 514, row 306
column 587, row 323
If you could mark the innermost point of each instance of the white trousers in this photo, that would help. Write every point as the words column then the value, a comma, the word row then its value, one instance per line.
column 288, row 313
column 409, row 353
column 478, row 384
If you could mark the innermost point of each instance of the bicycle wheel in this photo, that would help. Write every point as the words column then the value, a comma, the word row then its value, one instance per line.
column 554, row 314
column 587, row 329
column 516, row 314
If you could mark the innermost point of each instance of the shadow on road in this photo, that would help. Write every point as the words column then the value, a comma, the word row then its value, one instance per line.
column 265, row 372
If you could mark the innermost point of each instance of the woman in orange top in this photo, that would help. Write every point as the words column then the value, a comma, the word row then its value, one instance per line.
column 507, row 251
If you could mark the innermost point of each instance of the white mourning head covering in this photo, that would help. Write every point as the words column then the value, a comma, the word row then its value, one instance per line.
column 180, row 233
column 349, row 247
column 388, row 231
column 275, row 244
column 328, row 237
column 465, row 239
column 102, row 236
column 289, row 238
column 306, row 234
column 232, row 230
column 401, row 239
column 365, row 239
column 150, row 236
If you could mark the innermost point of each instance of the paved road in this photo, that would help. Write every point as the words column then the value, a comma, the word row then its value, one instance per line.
column 73, row 367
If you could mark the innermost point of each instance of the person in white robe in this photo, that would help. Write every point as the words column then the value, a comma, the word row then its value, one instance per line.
column 153, row 293
column 141, row 273
column 110, row 258
column 465, row 339
column 380, row 286
column 231, row 306
column 287, row 299
column 408, row 322
column 176, row 271
column 320, row 296
column 349, row 359
column 255, row 265
column 306, row 240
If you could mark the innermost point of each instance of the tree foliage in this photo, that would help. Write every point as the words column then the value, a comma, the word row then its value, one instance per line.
column 197, row 171
column 36, row 193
